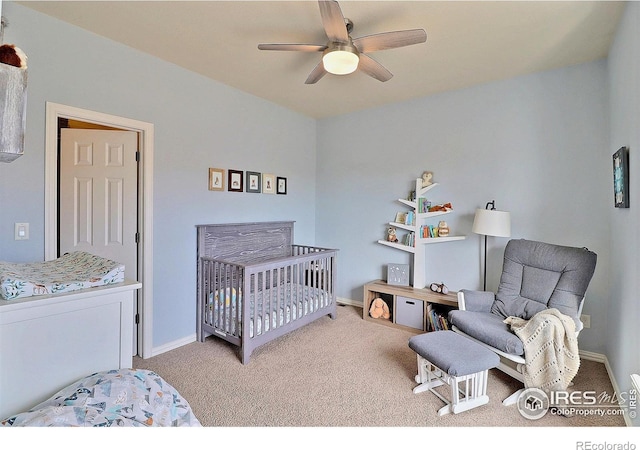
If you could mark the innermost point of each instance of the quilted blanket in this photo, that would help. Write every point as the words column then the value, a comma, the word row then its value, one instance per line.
column 70, row 272
column 550, row 349
column 115, row 398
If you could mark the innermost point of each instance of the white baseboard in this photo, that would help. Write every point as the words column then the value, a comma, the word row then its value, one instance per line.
column 616, row 389
column 155, row 351
column 599, row 357
column 591, row 356
column 348, row 301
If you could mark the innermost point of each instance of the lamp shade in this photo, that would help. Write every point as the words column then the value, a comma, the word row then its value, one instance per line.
column 492, row 222
column 340, row 62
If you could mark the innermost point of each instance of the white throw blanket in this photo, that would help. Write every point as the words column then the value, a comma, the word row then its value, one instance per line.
column 550, row 349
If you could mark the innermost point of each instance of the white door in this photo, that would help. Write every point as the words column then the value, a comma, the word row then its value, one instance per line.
column 99, row 196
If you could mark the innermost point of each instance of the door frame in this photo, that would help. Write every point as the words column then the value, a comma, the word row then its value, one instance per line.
column 145, row 131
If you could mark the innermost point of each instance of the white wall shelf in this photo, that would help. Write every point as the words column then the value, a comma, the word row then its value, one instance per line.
column 418, row 250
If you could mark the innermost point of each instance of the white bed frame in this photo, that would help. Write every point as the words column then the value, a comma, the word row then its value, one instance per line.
column 48, row 342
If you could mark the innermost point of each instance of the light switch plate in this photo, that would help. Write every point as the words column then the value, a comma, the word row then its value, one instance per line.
column 21, row 231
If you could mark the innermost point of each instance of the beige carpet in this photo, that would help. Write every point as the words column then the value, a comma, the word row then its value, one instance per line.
column 346, row 372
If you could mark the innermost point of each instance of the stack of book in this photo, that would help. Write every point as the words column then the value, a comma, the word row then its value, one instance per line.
column 428, row 231
column 423, row 205
column 437, row 317
column 406, row 218
column 409, row 239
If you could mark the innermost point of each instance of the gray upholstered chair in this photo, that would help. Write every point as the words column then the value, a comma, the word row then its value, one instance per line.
column 535, row 276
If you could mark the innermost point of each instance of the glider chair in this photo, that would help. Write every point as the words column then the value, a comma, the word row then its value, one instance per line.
column 535, row 276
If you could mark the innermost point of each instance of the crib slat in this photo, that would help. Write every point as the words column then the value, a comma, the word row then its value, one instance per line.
column 213, row 266
column 257, row 320
column 228, row 297
column 239, row 303
column 223, row 298
column 282, row 298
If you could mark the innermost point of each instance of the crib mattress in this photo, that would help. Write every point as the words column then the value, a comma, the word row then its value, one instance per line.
column 296, row 301
column 70, row 272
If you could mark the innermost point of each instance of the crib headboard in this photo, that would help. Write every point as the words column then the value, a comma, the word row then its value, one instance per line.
column 245, row 242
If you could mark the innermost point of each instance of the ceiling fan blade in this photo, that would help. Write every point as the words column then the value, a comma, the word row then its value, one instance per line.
column 333, row 21
column 315, row 75
column 293, row 47
column 373, row 68
column 391, row 39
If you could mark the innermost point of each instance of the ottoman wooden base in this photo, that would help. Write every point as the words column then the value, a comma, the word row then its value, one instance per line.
column 466, row 378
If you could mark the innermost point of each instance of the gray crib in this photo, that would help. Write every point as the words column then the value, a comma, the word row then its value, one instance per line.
column 255, row 285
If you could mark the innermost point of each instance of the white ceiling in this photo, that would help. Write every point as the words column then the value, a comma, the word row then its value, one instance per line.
column 468, row 43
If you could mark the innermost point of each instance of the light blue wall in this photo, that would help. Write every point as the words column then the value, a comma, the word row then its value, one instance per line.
column 622, row 332
column 539, row 145
column 533, row 144
column 198, row 124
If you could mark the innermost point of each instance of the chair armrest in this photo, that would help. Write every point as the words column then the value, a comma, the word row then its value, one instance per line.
column 479, row 301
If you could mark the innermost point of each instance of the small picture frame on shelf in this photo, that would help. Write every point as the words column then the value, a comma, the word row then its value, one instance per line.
column 621, row 178
column 281, row 185
column 398, row 274
column 235, row 181
column 268, row 183
column 254, row 183
column 401, row 217
column 216, row 179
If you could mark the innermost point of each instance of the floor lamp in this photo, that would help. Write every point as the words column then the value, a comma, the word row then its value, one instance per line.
column 491, row 222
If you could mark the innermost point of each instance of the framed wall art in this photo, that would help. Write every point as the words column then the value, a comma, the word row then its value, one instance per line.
column 621, row 178
column 253, row 182
column 281, row 185
column 235, row 181
column 216, row 179
column 268, row 183
column 398, row 274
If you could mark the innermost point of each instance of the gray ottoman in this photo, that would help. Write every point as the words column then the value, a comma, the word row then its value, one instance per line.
column 445, row 357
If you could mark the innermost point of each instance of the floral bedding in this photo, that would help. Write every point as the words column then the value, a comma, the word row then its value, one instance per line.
column 70, row 272
column 114, row 398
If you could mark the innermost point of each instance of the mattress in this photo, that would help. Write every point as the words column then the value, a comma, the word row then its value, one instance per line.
column 296, row 301
column 114, row 398
column 70, row 272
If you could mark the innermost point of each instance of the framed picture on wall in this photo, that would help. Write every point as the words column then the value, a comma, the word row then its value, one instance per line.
column 268, row 183
column 281, row 185
column 235, row 181
column 621, row 178
column 216, row 179
column 253, row 182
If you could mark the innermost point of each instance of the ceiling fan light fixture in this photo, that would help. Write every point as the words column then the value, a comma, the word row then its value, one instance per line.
column 343, row 55
column 340, row 59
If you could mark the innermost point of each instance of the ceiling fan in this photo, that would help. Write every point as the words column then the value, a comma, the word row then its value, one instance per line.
column 342, row 54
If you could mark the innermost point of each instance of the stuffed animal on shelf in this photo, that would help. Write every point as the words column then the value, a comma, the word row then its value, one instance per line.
column 379, row 309
column 439, row 288
column 443, row 207
column 443, row 229
column 426, row 179
column 391, row 235
column 13, row 56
